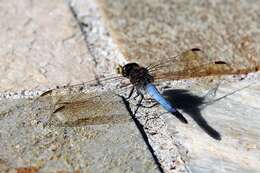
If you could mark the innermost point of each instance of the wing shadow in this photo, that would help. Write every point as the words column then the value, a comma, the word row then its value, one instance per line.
column 191, row 104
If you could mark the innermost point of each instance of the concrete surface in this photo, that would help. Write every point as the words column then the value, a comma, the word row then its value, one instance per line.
column 72, row 45
column 148, row 31
column 44, row 45
column 97, row 137
column 37, row 39
column 235, row 117
column 151, row 31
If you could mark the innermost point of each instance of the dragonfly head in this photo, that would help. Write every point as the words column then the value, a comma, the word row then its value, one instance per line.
column 126, row 69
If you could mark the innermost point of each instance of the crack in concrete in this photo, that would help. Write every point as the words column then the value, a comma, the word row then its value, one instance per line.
column 140, row 127
column 84, row 33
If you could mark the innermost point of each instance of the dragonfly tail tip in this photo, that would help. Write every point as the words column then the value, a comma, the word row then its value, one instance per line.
column 179, row 115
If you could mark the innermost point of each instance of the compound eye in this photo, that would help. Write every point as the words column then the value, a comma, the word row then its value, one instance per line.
column 125, row 71
column 119, row 69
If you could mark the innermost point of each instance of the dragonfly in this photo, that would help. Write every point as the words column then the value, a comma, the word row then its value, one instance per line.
column 74, row 107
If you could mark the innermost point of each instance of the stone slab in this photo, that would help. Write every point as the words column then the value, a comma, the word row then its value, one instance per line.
column 233, row 114
column 41, row 46
column 34, row 137
column 152, row 31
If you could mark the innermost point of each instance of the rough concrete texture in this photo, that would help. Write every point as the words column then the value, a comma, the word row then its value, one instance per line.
column 49, row 45
column 225, row 30
column 99, row 42
column 98, row 136
column 234, row 116
column 150, row 31
column 41, row 46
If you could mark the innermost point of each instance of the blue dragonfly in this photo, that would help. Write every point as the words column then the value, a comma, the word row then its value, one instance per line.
column 77, row 107
column 191, row 63
column 142, row 80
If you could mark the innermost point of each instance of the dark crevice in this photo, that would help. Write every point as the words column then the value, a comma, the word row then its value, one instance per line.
column 85, row 34
column 144, row 135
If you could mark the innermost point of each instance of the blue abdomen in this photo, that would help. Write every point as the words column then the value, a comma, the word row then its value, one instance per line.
column 155, row 94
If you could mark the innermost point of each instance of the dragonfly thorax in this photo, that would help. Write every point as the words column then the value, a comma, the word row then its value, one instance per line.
column 138, row 76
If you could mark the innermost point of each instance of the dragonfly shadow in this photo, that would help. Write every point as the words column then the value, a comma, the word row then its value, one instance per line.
column 191, row 104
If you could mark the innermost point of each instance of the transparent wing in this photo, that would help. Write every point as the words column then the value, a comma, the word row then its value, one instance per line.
column 72, row 106
column 195, row 63
column 101, row 80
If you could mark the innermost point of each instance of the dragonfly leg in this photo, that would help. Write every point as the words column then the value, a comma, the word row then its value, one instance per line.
column 130, row 94
column 137, row 95
column 139, row 104
column 151, row 103
column 140, row 101
column 149, row 99
column 150, row 106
